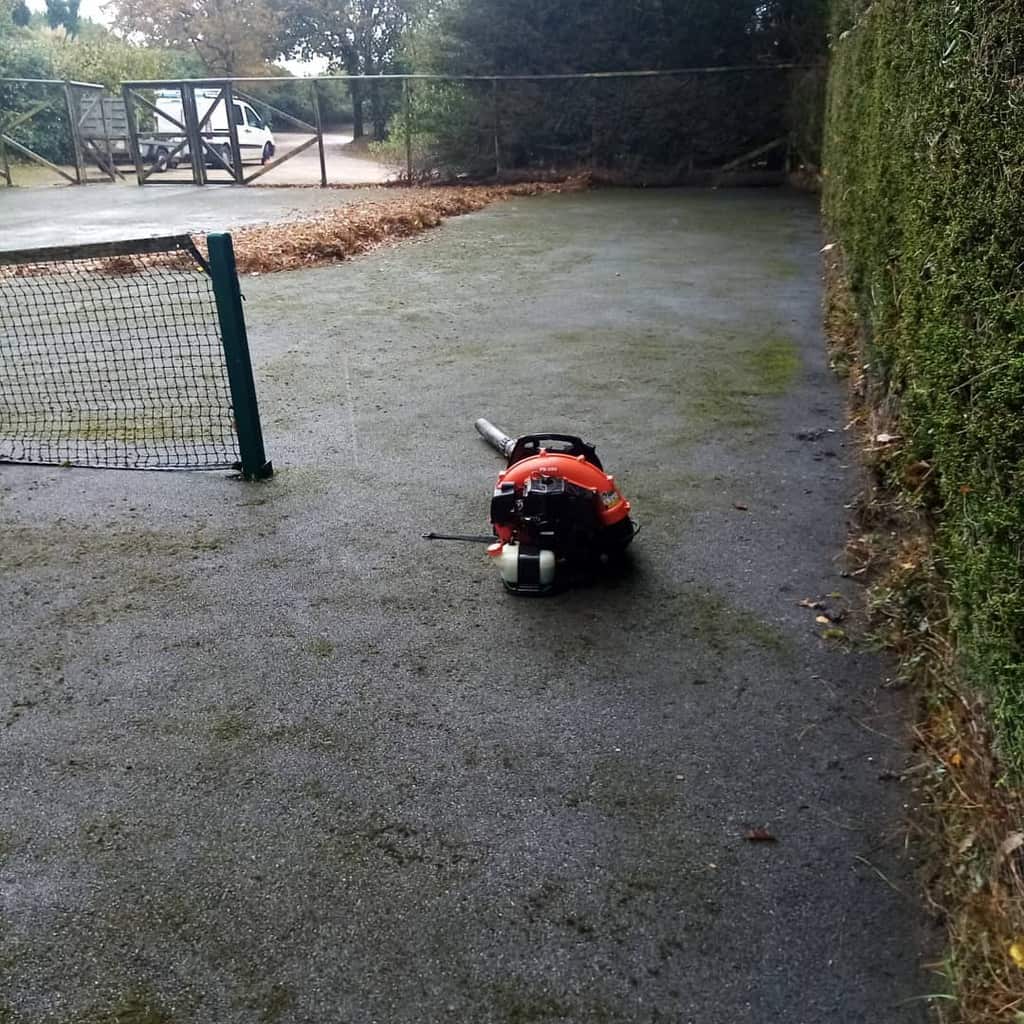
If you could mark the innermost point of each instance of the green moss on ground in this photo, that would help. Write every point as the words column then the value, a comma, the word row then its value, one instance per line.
column 517, row 1001
column 321, row 647
column 722, row 626
column 780, row 268
column 230, row 728
column 273, row 1004
column 730, row 393
column 721, row 382
column 772, row 366
column 70, row 547
column 132, row 1008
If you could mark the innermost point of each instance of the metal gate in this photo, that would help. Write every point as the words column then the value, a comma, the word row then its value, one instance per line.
column 76, row 104
column 199, row 122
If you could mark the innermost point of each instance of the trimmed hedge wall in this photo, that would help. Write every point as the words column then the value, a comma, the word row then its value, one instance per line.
column 924, row 187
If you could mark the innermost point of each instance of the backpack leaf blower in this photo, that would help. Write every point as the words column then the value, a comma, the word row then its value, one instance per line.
column 553, row 509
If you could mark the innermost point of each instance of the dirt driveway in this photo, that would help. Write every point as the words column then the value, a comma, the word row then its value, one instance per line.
column 343, row 168
column 267, row 756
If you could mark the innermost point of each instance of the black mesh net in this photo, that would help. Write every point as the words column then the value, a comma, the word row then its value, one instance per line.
column 111, row 356
column 657, row 128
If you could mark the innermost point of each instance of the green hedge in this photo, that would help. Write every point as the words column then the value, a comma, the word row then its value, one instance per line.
column 924, row 187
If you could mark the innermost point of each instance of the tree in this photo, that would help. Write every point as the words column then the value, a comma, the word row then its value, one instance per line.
column 20, row 14
column 359, row 37
column 63, row 13
column 667, row 125
column 543, row 36
column 231, row 37
column 792, row 30
column 98, row 55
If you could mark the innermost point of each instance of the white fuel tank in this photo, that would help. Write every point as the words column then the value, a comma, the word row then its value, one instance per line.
column 533, row 569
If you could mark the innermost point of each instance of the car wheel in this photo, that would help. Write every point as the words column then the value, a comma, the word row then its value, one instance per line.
column 211, row 155
column 268, row 153
column 162, row 160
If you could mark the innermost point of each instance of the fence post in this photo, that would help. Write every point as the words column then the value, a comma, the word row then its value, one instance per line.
column 255, row 465
column 108, row 151
column 76, row 142
column 133, row 132
column 5, row 163
column 190, row 115
column 593, row 125
column 497, row 130
column 319, row 125
column 237, row 171
column 407, row 119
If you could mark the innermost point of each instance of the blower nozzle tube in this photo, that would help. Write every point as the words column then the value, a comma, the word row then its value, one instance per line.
column 494, row 437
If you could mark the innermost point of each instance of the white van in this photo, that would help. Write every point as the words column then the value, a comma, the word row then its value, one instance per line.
column 255, row 141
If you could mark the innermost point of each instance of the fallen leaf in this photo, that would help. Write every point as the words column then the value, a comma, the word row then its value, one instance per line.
column 835, row 633
column 1017, row 952
column 760, row 835
column 809, row 602
column 335, row 235
column 1013, row 842
column 886, row 438
column 829, row 616
column 956, row 759
column 740, row 506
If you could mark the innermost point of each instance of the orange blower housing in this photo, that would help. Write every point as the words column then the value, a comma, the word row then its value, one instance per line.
column 554, row 499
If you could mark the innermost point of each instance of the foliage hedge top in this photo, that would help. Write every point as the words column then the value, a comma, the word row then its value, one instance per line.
column 924, row 156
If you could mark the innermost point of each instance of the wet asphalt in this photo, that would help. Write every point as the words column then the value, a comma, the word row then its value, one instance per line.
column 266, row 755
column 34, row 218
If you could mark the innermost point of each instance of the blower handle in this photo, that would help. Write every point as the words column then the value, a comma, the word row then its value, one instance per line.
column 494, row 437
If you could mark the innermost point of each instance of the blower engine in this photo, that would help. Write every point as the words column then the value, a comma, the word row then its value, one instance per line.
column 553, row 508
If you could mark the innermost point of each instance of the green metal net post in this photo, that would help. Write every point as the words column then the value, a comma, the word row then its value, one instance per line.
column 255, row 465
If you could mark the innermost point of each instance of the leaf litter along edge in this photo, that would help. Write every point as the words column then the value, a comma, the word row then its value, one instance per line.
column 335, row 235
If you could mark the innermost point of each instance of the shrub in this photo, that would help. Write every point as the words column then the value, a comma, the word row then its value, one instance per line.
column 924, row 168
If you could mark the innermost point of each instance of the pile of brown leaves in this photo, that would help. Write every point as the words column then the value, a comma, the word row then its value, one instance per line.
column 971, row 818
column 328, row 237
column 346, row 231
